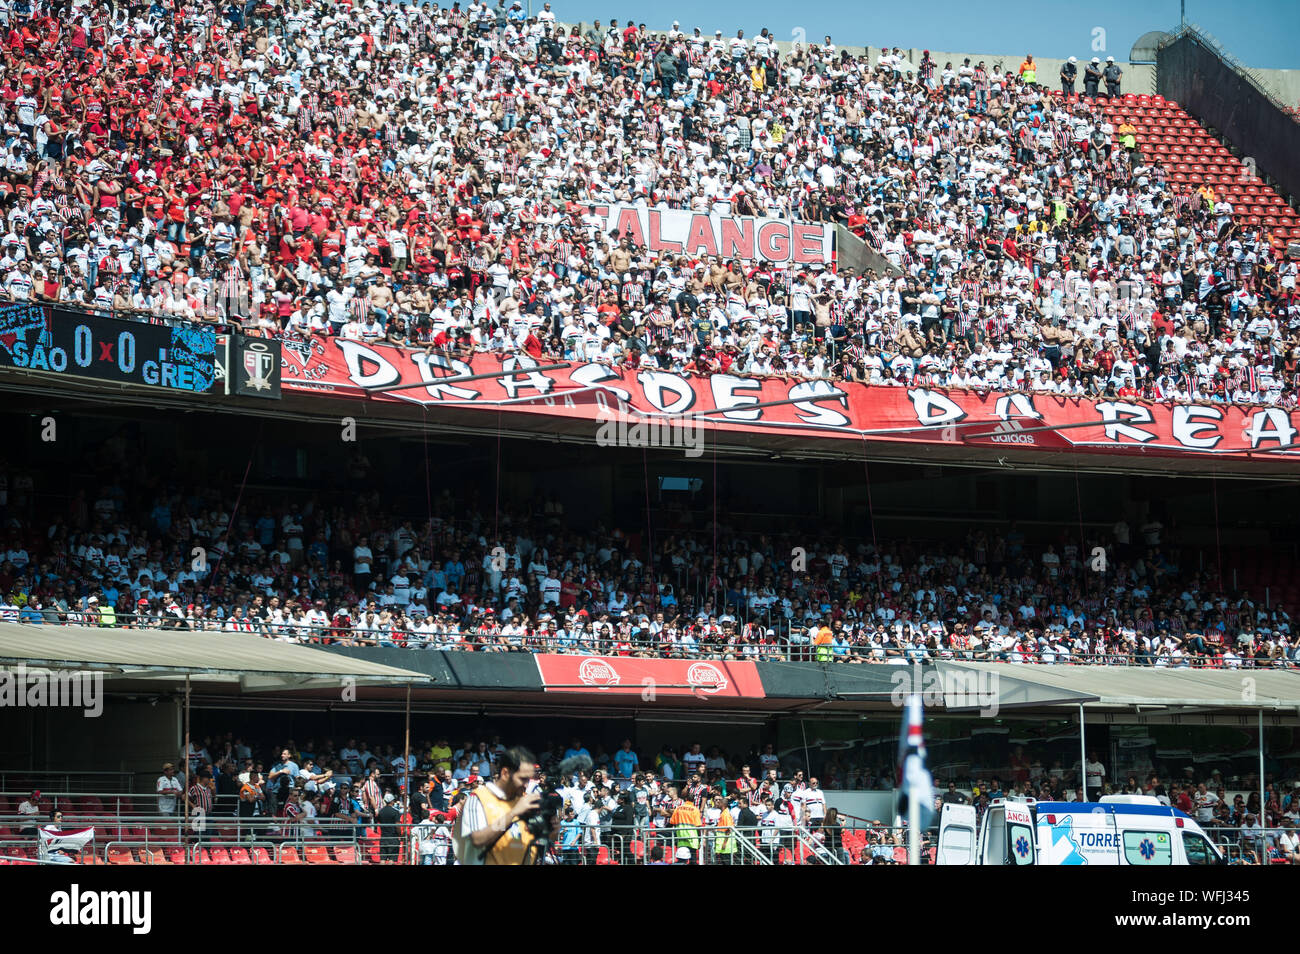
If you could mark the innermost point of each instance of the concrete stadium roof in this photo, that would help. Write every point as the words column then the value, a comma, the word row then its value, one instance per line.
column 1131, row 686
column 255, row 662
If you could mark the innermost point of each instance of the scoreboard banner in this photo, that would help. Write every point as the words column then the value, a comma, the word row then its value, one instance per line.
column 79, row 344
column 513, row 388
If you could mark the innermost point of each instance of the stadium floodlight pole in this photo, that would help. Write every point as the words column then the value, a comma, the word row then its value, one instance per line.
column 1263, row 805
column 406, row 773
column 185, row 757
column 1083, row 757
column 461, row 378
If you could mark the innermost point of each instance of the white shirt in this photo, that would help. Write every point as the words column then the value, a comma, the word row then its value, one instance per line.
column 814, row 799
column 472, row 819
column 168, row 789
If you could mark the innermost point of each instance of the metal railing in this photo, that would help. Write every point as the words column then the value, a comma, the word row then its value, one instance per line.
column 228, row 324
column 789, row 647
column 703, row 845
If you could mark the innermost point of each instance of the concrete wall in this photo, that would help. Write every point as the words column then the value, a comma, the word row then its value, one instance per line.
column 1194, row 76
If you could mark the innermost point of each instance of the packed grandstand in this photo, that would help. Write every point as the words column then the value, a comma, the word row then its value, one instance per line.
column 430, row 177
column 441, row 180
column 426, row 177
column 304, row 572
column 321, row 804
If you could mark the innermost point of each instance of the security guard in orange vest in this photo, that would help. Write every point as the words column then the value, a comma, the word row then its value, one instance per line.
column 491, row 829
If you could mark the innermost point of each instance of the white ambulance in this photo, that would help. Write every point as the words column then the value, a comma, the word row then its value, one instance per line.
column 1118, row 830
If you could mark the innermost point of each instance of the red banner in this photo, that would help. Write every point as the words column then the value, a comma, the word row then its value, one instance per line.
column 649, row 407
column 648, row 678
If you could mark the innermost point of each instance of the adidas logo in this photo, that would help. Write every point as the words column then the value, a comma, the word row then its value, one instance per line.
column 1009, row 432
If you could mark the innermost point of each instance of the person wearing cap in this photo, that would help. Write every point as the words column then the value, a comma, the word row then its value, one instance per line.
column 1112, row 74
column 30, row 810
column 389, row 818
column 1092, row 78
column 1069, row 72
column 168, row 789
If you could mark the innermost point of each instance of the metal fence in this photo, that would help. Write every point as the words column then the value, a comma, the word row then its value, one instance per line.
column 154, row 840
column 790, row 646
column 328, row 842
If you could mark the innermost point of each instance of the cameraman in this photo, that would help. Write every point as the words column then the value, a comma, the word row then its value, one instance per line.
column 489, row 830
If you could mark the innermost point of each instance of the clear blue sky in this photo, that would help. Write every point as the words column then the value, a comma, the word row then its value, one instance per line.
column 1260, row 33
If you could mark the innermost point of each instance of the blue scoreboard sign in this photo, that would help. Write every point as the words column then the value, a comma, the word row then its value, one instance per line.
column 82, row 345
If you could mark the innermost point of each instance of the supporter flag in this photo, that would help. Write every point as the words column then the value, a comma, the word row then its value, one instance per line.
column 64, row 840
column 913, row 777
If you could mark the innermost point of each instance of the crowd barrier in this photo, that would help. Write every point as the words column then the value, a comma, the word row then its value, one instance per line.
column 231, row 841
column 790, row 647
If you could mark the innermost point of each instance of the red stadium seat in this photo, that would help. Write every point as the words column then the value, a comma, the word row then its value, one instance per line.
column 317, row 855
column 119, row 855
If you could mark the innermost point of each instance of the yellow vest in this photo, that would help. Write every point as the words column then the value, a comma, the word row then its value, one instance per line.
column 724, row 839
column 511, row 847
column 107, row 615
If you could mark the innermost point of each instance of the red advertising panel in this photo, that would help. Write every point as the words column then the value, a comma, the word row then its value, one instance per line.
column 635, row 399
column 626, row 676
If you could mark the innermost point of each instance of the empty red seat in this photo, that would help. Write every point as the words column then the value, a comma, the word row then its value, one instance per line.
column 119, row 855
column 317, row 855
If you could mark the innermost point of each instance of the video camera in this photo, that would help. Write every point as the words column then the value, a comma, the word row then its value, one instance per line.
column 540, row 822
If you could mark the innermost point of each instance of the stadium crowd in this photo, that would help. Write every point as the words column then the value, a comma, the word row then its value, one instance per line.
column 524, row 579
column 681, row 789
column 424, row 176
